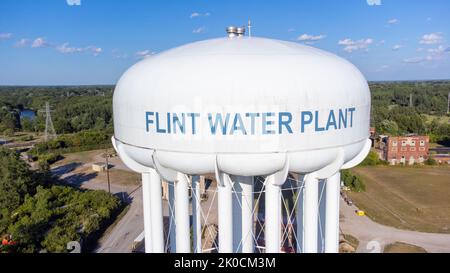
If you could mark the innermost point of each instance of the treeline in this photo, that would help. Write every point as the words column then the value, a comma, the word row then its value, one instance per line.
column 74, row 109
column 38, row 215
column 392, row 113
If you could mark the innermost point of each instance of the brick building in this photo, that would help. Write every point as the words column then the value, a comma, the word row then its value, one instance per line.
column 406, row 149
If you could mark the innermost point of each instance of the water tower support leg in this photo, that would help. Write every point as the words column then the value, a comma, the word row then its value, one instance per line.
column 147, row 211
column 196, row 214
column 156, row 212
column 272, row 217
column 332, row 214
column 247, row 214
column 172, row 224
column 225, row 213
column 243, row 213
column 182, row 214
column 300, row 213
column 311, row 214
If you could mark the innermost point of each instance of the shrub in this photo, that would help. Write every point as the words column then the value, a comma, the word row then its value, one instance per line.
column 354, row 182
column 430, row 161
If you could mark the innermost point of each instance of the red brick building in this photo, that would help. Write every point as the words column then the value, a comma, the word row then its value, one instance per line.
column 406, row 149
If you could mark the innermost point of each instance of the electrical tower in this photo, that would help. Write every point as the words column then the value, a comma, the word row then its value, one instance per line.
column 448, row 104
column 50, row 132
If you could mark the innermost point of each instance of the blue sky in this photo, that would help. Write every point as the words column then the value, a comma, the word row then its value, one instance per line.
column 94, row 41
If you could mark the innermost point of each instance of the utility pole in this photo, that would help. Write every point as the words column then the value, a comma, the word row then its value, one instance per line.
column 107, row 170
column 50, row 132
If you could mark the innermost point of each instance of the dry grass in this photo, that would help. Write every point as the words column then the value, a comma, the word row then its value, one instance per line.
column 399, row 247
column 120, row 177
column 413, row 198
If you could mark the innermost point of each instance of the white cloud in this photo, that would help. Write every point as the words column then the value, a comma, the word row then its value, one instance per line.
column 73, row 2
column 199, row 30
column 434, row 54
column 350, row 45
column 431, row 39
column 197, row 14
column 393, row 21
column 310, row 38
column 22, row 43
column 373, row 2
column 144, row 53
column 65, row 48
column 5, row 36
column 382, row 42
column 94, row 50
column 397, row 47
column 194, row 14
column 382, row 68
column 117, row 54
column 414, row 60
column 439, row 51
column 39, row 42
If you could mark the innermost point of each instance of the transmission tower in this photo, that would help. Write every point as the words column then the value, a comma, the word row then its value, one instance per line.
column 448, row 104
column 50, row 132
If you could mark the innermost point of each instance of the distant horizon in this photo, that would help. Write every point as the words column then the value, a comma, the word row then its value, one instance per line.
column 86, row 42
column 113, row 84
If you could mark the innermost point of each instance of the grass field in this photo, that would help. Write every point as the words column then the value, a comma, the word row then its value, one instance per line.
column 399, row 247
column 413, row 198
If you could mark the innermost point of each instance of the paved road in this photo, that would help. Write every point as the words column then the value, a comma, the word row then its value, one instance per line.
column 122, row 235
column 367, row 231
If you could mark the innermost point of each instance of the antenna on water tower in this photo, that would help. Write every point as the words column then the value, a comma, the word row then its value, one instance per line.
column 249, row 26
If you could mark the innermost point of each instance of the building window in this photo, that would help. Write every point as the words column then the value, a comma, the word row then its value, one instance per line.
column 403, row 143
column 422, row 143
column 404, row 149
column 413, row 143
column 394, row 143
column 412, row 149
column 421, row 149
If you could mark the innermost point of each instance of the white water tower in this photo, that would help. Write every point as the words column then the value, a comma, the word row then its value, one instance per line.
column 240, row 107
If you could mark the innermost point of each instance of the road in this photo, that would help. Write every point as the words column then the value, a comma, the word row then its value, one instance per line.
column 374, row 237
column 122, row 235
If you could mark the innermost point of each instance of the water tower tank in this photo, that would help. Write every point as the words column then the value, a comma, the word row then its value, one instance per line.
column 241, row 107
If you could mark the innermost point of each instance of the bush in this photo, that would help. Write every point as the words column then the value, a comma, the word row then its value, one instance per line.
column 354, row 182
column 431, row 161
column 26, row 138
column 373, row 159
column 49, row 158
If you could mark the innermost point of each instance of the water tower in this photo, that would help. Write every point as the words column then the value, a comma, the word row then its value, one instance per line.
column 242, row 107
